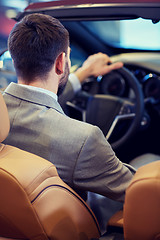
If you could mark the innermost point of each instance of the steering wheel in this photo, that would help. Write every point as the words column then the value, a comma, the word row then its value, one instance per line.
column 110, row 113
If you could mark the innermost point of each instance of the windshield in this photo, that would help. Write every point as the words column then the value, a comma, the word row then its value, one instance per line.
column 135, row 34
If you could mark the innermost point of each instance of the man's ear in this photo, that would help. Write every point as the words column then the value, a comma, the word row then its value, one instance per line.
column 60, row 63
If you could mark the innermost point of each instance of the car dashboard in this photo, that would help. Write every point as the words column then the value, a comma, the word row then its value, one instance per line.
column 144, row 66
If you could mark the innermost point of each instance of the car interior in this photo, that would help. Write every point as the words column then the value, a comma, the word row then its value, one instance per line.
column 125, row 104
column 128, row 117
column 37, row 204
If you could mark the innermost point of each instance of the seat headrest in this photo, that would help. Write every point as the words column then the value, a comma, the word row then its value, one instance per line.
column 4, row 120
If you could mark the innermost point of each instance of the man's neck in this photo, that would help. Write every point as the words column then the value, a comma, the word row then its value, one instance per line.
column 50, row 84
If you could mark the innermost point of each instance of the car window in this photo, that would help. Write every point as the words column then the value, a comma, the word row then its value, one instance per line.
column 7, row 71
column 135, row 34
column 6, row 62
column 78, row 56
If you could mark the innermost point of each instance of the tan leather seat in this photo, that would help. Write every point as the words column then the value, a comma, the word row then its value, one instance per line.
column 35, row 203
column 140, row 218
column 4, row 120
column 142, row 204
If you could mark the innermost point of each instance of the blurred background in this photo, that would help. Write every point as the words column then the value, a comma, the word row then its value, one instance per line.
column 126, row 30
column 8, row 10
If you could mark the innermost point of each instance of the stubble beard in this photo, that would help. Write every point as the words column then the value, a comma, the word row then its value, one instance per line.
column 63, row 80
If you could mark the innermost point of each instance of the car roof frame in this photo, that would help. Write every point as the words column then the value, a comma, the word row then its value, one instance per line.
column 98, row 11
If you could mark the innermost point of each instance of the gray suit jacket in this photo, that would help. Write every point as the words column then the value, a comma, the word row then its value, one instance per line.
column 80, row 152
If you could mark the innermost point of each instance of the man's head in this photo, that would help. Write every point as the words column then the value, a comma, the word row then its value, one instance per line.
column 35, row 43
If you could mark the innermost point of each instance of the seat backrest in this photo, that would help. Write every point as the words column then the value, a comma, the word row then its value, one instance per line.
column 35, row 203
column 142, row 204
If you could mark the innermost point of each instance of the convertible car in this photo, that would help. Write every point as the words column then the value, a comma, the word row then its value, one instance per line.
column 125, row 104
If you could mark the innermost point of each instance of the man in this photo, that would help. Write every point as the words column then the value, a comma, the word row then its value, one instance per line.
column 39, row 46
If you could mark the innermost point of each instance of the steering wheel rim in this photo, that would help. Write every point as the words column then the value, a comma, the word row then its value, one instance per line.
column 89, row 109
column 139, row 106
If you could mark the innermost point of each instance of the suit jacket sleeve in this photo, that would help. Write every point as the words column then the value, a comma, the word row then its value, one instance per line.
column 98, row 169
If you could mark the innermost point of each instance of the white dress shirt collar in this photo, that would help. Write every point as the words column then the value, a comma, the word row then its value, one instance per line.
column 41, row 90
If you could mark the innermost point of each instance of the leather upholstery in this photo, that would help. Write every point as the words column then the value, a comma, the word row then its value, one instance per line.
column 36, row 204
column 140, row 218
column 4, row 120
column 116, row 220
column 142, row 204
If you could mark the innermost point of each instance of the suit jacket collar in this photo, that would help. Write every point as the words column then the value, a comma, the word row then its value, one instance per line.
column 30, row 95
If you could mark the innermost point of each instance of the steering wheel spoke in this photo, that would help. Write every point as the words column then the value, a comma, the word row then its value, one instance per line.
column 127, row 107
column 117, row 120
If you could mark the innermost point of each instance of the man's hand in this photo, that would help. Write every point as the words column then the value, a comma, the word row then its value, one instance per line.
column 95, row 65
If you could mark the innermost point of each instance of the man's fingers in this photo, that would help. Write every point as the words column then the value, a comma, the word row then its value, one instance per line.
column 108, row 68
column 115, row 66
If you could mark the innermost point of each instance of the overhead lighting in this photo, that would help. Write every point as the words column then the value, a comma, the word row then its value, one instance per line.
column 10, row 13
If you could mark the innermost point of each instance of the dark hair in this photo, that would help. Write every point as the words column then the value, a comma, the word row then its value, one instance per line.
column 34, row 43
